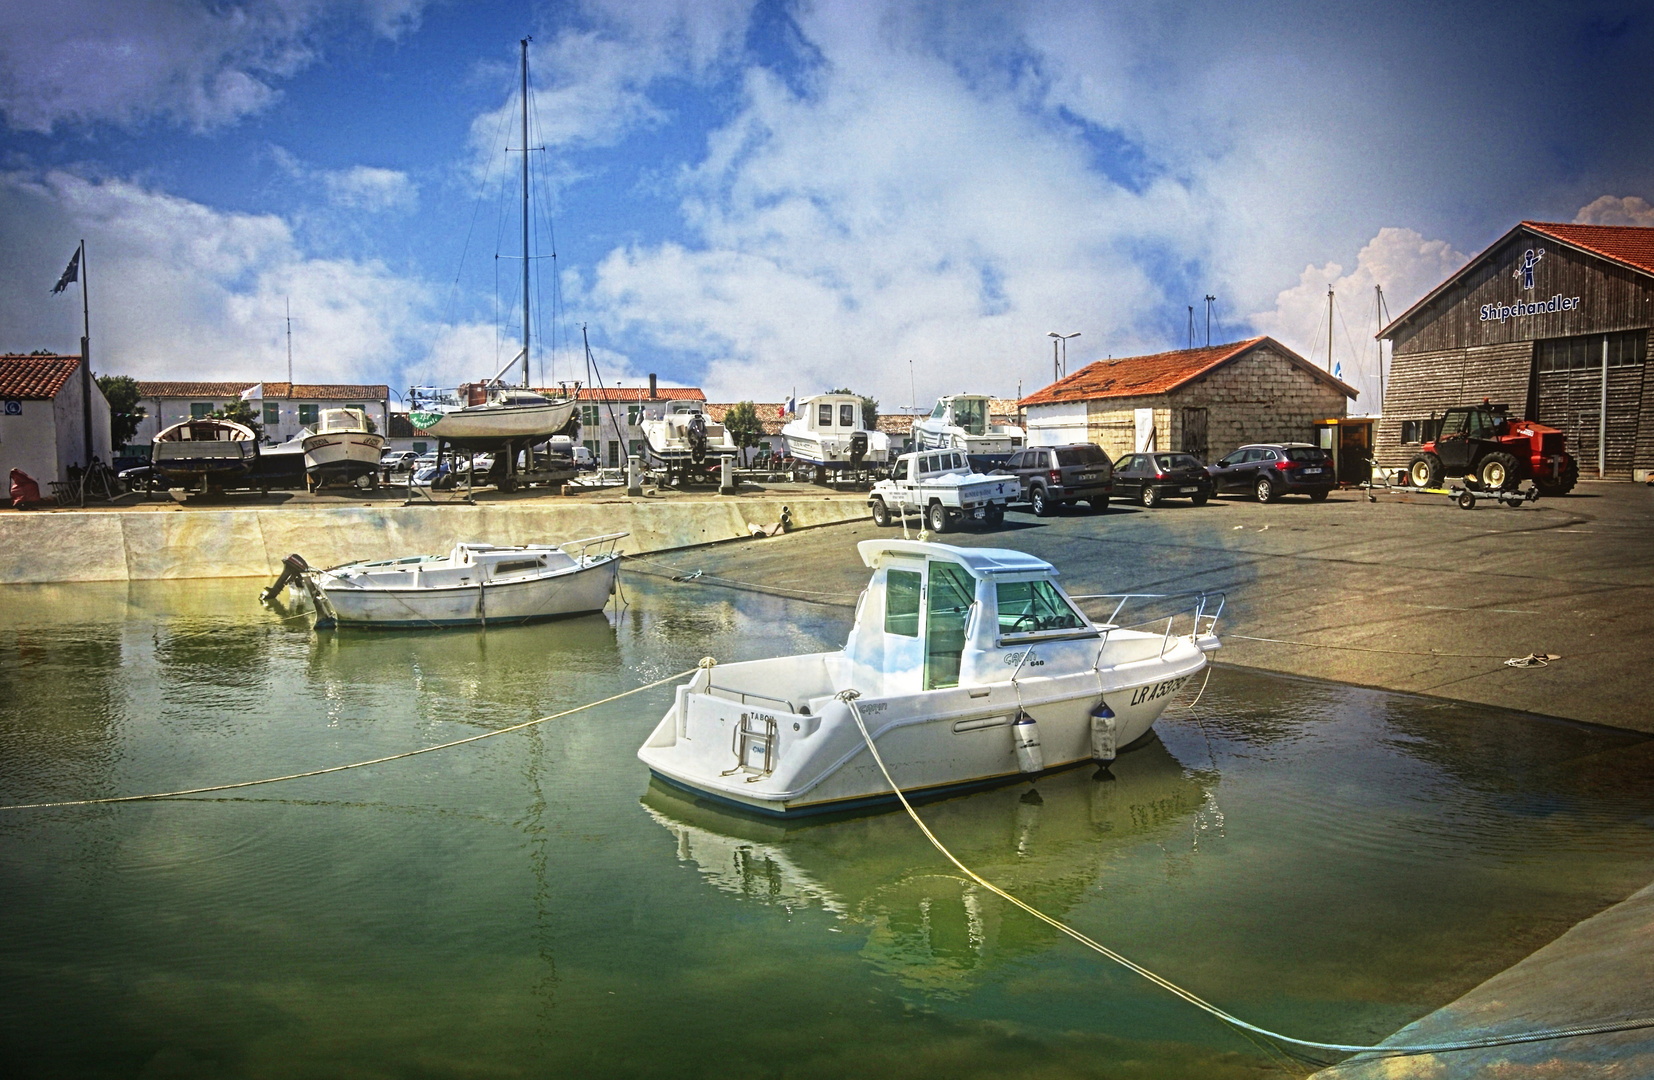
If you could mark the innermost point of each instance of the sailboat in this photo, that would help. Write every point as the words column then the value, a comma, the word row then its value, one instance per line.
column 484, row 415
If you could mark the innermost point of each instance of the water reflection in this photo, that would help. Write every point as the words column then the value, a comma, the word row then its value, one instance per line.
column 925, row 924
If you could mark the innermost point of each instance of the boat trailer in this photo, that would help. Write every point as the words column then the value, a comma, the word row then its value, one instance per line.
column 1462, row 494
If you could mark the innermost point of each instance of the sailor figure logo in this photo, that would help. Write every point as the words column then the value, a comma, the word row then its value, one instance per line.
column 1524, row 266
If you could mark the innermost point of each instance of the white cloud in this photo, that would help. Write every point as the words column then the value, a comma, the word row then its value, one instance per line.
column 1401, row 261
column 127, row 61
column 1613, row 210
column 183, row 291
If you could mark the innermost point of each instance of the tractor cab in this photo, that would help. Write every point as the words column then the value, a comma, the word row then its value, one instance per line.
column 1461, row 431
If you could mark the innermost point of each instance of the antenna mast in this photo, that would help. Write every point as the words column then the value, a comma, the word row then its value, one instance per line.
column 1329, row 329
column 289, row 346
column 524, row 43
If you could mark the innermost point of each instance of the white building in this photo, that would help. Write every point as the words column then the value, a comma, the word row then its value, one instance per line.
column 283, row 408
column 42, row 418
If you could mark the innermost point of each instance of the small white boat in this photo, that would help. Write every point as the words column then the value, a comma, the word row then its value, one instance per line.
column 684, row 434
column 341, row 447
column 961, row 422
column 204, row 451
column 472, row 585
column 826, row 431
column 476, row 416
column 971, row 667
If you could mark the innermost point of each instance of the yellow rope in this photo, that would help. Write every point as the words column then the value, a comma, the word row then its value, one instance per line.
column 354, row 764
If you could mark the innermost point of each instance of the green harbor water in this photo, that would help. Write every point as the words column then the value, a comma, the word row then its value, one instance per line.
column 1326, row 861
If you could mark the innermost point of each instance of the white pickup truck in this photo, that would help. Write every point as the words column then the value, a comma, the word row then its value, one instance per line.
column 940, row 485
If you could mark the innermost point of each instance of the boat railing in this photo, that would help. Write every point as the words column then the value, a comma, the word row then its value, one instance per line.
column 593, row 547
column 743, row 695
column 1203, row 610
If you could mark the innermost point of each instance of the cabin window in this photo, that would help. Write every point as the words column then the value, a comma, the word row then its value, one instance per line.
column 936, row 413
column 308, row 414
column 1028, row 607
column 958, row 460
column 847, row 416
column 952, row 592
column 902, row 589
column 200, row 410
column 824, row 416
column 516, row 566
column 972, row 415
column 272, row 414
column 901, row 469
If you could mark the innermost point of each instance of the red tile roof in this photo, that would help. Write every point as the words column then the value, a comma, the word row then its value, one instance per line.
column 1628, row 244
column 634, row 394
column 35, row 377
column 1141, row 376
column 300, row 391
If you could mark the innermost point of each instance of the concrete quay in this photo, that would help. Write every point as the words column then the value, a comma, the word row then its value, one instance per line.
column 165, row 539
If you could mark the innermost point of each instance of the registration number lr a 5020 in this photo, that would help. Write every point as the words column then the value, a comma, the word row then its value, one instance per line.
column 1154, row 691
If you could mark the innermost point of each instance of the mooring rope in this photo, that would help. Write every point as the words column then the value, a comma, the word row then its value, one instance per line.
column 849, row 698
column 353, row 765
column 1360, row 648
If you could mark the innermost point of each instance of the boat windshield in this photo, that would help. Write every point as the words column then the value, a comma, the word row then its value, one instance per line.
column 1028, row 607
column 432, row 399
column 971, row 414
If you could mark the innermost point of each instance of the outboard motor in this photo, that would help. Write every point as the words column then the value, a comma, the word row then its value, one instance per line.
column 695, row 431
column 1025, row 734
column 858, row 449
column 292, row 567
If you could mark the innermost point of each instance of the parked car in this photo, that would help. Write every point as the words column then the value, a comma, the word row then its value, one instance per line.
column 1266, row 471
column 1149, row 478
column 142, row 478
column 397, row 460
column 1055, row 476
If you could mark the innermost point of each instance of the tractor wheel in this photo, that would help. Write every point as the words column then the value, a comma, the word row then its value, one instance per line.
column 1497, row 472
column 1425, row 471
column 881, row 513
column 1265, row 490
column 1041, row 504
column 938, row 518
column 1562, row 484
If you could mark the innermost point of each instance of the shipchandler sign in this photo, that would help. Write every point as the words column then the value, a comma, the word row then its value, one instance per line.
column 1523, row 308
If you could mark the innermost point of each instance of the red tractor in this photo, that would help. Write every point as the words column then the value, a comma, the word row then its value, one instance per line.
column 1495, row 452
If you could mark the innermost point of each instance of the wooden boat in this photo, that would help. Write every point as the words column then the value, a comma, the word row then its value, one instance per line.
column 204, row 452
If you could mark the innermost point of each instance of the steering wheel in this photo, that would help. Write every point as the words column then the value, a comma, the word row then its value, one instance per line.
column 1026, row 617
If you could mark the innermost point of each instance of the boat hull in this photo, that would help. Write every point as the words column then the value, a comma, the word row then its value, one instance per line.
column 489, row 425
column 183, row 462
column 572, row 591
column 831, row 453
column 344, row 455
column 935, row 743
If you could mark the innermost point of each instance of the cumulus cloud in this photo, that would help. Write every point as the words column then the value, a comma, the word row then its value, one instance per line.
column 182, row 291
column 1615, row 210
column 1401, row 261
column 127, row 61
column 363, row 188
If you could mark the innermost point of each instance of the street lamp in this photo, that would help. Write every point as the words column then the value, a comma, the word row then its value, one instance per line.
column 1060, row 369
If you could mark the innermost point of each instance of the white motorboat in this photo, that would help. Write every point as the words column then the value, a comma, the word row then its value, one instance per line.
column 472, row 585
column 827, row 432
column 969, row 667
column 961, row 422
column 483, row 417
column 205, row 451
column 341, row 447
column 685, row 434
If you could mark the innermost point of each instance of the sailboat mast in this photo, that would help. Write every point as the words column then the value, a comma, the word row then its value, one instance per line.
column 524, row 43
column 1329, row 329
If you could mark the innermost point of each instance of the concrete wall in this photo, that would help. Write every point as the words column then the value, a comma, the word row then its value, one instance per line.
column 143, row 545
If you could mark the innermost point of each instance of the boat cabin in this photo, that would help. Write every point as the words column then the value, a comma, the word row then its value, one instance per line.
column 968, row 412
column 831, row 413
column 937, row 616
column 340, row 420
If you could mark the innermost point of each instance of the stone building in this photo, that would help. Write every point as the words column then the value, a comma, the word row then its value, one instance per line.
column 43, row 418
column 1553, row 320
column 1204, row 401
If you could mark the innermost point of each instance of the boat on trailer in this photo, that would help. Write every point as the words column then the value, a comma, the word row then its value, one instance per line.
column 969, row 667
column 827, row 433
column 472, row 585
column 208, row 451
column 342, row 448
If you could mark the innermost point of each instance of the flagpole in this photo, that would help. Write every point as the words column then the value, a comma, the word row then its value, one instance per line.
column 85, row 359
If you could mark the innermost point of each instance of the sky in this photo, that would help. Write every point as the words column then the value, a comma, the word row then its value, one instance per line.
column 764, row 197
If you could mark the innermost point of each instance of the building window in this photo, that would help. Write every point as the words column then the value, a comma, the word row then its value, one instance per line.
column 199, row 409
column 1579, row 353
column 272, row 414
column 589, row 416
column 1411, row 431
column 359, row 408
column 308, row 414
column 614, row 453
column 634, row 415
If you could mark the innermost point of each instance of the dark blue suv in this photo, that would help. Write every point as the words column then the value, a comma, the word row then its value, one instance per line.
column 1266, row 471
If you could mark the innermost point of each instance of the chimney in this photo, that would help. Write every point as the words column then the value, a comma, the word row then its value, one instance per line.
column 652, row 394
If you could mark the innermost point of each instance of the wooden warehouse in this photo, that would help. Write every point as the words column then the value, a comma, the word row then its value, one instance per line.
column 1204, row 401
column 1552, row 320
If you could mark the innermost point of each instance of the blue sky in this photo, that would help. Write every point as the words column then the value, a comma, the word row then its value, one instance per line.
column 760, row 196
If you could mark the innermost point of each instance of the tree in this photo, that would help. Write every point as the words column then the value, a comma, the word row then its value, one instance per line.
column 125, row 414
column 869, row 408
column 743, row 425
column 243, row 413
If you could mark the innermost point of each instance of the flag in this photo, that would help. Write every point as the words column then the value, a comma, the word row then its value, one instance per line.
column 792, row 406
column 1338, row 370
column 71, row 274
column 253, row 393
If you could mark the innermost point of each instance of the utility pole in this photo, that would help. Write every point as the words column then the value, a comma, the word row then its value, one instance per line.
column 1210, row 300
column 289, row 346
column 1062, row 367
column 1191, row 326
column 1378, row 317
